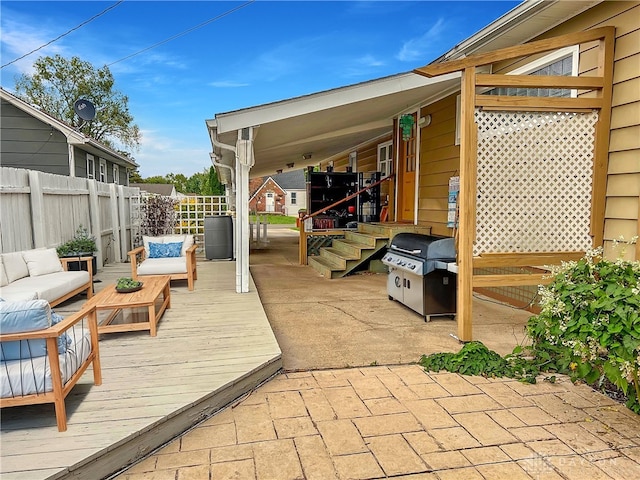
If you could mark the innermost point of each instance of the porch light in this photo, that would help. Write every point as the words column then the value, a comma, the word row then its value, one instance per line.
column 406, row 125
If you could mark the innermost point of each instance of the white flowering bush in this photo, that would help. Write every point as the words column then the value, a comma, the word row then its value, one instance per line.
column 589, row 324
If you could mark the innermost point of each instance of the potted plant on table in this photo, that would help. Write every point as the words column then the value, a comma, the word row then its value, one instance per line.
column 81, row 245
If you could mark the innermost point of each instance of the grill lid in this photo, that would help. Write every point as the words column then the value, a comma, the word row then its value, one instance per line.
column 425, row 247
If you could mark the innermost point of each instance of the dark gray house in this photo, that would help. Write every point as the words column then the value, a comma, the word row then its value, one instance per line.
column 34, row 140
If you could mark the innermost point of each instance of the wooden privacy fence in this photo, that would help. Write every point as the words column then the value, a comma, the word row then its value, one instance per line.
column 40, row 209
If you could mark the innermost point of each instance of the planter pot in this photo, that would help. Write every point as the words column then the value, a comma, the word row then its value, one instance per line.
column 77, row 266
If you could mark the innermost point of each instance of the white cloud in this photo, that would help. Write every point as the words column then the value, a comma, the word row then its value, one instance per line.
column 228, row 84
column 419, row 48
column 20, row 38
column 160, row 155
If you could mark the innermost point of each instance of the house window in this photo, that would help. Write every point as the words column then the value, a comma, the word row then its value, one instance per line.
column 385, row 159
column 563, row 62
column 91, row 167
column 294, row 198
column 116, row 174
column 103, row 170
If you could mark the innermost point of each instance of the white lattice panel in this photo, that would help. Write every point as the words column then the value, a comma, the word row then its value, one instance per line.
column 534, row 179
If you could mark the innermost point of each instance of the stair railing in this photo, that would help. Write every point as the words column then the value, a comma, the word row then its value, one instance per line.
column 304, row 234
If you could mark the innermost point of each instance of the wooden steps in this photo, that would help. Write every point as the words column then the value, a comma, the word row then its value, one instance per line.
column 345, row 255
column 357, row 247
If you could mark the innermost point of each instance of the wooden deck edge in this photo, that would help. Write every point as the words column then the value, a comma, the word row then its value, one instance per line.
column 127, row 452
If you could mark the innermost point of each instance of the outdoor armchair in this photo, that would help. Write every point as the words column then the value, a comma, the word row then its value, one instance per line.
column 173, row 255
column 44, row 355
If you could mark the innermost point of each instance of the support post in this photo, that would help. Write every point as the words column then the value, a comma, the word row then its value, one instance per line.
column 467, row 230
column 244, row 162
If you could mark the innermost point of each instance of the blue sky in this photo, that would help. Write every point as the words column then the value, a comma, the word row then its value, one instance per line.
column 264, row 51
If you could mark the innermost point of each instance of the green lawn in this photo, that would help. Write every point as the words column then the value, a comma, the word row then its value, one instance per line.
column 274, row 219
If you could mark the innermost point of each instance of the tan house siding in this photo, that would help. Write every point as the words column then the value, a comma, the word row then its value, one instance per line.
column 623, row 182
column 439, row 160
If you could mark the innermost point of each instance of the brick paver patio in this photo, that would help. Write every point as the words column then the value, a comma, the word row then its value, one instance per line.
column 390, row 422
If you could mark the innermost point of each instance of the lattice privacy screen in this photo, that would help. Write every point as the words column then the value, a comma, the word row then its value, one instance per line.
column 534, row 180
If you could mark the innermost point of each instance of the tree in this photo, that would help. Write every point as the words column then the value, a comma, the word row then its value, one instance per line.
column 58, row 82
column 134, row 177
column 215, row 187
column 179, row 181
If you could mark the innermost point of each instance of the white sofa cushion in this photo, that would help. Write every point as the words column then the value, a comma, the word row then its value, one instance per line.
column 18, row 293
column 163, row 266
column 42, row 261
column 54, row 285
column 3, row 275
column 14, row 266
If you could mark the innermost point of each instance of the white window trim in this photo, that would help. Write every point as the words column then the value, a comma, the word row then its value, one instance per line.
column 389, row 161
column 91, row 166
column 116, row 174
column 537, row 64
column 103, row 170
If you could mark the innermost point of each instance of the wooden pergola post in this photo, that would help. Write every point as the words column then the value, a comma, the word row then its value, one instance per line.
column 600, row 101
column 467, row 217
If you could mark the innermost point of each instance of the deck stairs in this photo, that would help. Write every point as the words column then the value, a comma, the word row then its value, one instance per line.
column 357, row 247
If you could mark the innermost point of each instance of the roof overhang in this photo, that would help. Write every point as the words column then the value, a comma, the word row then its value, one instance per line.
column 328, row 123
column 324, row 124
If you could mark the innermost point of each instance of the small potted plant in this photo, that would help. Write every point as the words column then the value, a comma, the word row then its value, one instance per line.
column 81, row 245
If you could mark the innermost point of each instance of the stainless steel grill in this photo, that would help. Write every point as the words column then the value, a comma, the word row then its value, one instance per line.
column 421, row 273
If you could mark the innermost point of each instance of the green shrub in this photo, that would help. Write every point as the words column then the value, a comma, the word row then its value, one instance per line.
column 589, row 325
column 81, row 242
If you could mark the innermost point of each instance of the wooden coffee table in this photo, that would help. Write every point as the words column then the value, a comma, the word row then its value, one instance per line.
column 149, row 296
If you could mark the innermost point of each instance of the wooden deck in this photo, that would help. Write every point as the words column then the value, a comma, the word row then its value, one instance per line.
column 213, row 345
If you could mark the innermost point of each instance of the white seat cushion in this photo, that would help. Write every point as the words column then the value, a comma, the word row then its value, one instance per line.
column 48, row 287
column 163, row 266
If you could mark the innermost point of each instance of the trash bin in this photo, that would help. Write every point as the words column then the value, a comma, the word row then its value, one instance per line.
column 218, row 237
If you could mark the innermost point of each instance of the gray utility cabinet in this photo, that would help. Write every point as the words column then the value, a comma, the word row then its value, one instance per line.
column 218, row 237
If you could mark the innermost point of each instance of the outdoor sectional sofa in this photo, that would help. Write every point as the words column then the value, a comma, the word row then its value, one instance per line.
column 173, row 255
column 40, row 274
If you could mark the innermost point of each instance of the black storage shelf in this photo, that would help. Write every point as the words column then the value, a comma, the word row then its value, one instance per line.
column 326, row 188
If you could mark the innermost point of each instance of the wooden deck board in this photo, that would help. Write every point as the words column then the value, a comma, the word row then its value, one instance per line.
column 213, row 345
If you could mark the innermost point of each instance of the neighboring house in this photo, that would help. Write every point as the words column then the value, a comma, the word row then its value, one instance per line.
column 360, row 125
column 164, row 189
column 282, row 193
column 34, row 140
column 268, row 198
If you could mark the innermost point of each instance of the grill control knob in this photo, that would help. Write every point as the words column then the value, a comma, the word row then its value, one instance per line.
column 412, row 267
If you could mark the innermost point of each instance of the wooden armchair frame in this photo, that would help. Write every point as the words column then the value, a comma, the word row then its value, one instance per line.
column 59, row 392
column 138, row 255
